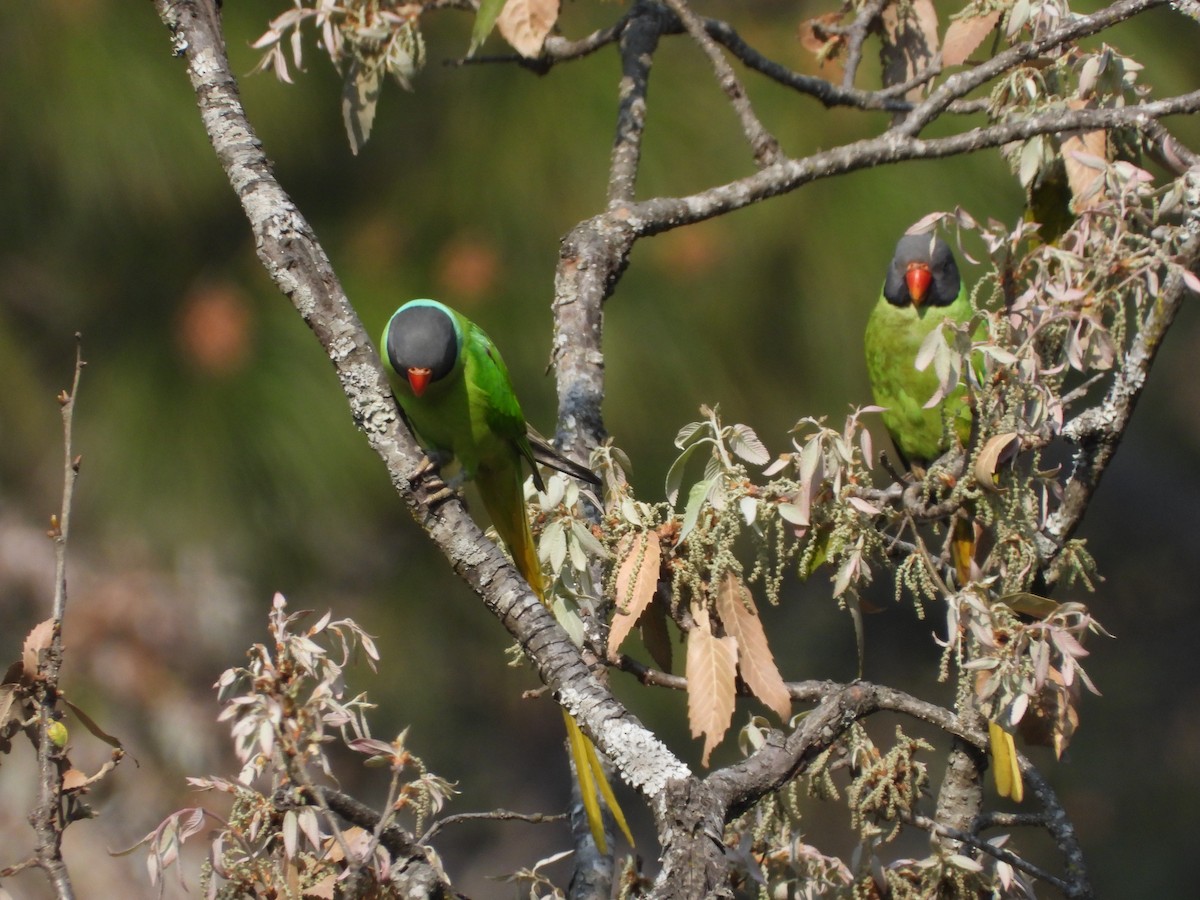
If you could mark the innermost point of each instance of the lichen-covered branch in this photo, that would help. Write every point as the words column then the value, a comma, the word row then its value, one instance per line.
column 296, row 262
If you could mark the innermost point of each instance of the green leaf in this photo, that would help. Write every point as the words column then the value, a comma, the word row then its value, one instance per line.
column 691, row 513
column 746, row 444
column 675, row 473
column 360, row 94
column 588, row 541
column 485, row 21
column 552, row 548
column 820, row 553
column 1030, row 604
column 569, row 620
column 691, row 434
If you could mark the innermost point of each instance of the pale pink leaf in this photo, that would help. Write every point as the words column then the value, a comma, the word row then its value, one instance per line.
column 525, row 24
column 965, row 35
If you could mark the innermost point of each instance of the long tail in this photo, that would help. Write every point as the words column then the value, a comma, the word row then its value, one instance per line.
column 503, row 497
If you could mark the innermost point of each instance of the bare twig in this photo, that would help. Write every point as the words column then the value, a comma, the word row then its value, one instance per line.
column 47, row 817
column 856, row 36
column 965, row 837
column 762, row 143
column 495, row 815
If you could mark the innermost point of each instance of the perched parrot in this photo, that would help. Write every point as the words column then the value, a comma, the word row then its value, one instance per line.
column 455, row 391
column 922, row 289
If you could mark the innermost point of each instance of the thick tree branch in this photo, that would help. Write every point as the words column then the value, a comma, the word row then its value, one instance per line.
column 294, row 259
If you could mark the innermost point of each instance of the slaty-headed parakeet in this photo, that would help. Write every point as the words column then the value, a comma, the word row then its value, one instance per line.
column 922, row 289
column 455, row 391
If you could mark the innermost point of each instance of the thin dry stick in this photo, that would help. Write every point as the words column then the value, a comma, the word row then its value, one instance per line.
column 856, row 36
column 47, row 819
column 762, row 142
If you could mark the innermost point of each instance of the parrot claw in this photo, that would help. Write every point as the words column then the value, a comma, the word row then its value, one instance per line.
column 436, row 490
column 439, row 497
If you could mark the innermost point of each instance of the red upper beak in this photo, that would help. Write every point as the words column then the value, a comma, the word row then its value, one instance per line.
column 418, row 380
column 918, row 277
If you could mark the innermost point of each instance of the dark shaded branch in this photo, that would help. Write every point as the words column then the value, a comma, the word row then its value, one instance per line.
column 411, row 871
column 399, row 842
column 964, row 837
column 1097, row 431
column 495, row 815
column 840, row 704
column 762, row 143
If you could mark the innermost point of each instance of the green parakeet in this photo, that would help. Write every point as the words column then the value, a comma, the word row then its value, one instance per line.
column 455, row 391
column 922, row 289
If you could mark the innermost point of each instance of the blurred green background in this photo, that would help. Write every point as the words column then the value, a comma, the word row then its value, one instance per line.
column 220, row 463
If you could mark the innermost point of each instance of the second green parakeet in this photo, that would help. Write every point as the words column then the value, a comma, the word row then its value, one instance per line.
column 922, row 289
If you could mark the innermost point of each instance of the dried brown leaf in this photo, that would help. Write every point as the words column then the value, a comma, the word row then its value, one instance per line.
column 735, row 606
column 910, row 42
column 525, row 24
column 323, row 889
column 815, row 36
column 711, row 667
column 1084, row 157
column 997, row 449
column 965, row 35
column 36, row 641
column 73, row 780
column 637, row 579
column 7, row 699
column 1051, row 719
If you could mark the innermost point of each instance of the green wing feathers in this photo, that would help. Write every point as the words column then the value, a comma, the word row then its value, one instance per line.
column 893, row 338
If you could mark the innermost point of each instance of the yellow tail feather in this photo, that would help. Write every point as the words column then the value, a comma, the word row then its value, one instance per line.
column 504, row 500
column 587, row 785
column 1005, row 768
